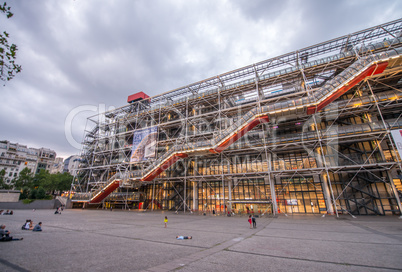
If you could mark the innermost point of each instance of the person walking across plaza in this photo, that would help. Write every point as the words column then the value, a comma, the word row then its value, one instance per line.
column 58, row 211
column 166, row 221
column 254, row 222
column 249, row 220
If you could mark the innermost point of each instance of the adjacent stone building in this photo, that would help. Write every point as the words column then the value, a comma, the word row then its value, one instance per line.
column 15, row 157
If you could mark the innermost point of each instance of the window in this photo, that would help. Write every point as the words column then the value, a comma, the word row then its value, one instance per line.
column 300, row 195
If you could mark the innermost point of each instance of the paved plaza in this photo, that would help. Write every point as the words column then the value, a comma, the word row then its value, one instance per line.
column 102, row 240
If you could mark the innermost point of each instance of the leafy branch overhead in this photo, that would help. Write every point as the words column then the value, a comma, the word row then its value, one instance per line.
column 8, row 53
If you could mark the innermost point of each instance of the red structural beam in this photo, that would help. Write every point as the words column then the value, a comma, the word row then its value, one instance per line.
column 240, row 133
column 169, row 162
column 105, row 192
column 372, row 70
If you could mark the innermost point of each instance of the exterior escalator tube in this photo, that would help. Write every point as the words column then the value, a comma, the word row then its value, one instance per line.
column 165, row 165
column 370, row 71
column 237, row 134
column 104, row 192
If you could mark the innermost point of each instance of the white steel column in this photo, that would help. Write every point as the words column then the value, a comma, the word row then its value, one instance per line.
column 326, row 192
column 230, row 194
column 195, row 196
column 271, row 182
column 273, row 194
column 277, row 180
column 321, row 161
column 153, row 195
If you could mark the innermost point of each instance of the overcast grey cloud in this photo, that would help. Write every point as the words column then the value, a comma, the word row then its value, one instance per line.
column 94, row 52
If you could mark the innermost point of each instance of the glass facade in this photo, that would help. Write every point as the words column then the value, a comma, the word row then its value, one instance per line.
column 300, row 195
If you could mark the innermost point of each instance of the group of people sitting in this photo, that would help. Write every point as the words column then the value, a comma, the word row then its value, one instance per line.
column 2, row 212
column 28, row 225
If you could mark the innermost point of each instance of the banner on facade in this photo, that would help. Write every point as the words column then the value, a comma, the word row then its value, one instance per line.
column 291, row 202
column 144, row 144
column 397, row 135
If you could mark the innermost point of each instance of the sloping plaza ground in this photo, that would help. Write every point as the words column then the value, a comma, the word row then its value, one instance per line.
column 103, row 240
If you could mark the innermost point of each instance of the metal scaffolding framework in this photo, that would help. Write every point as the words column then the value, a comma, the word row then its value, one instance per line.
column 305, row 132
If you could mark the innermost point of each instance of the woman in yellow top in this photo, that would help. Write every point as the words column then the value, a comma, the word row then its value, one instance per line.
column 166, row 220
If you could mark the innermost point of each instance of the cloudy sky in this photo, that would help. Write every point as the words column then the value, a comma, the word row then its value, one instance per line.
column 81, row 55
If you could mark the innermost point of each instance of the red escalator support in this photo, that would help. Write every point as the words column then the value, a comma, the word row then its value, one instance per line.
column 239, row 134
column 169, row 162
column 372, row 70
column 105, row 192
column 157, row 204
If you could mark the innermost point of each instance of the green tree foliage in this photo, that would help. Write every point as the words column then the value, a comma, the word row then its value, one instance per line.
column 3, row 184
column 8, row 53
column 43, row 178
column 53, row 182
column 41, row 193
column 24, row 193
column 33, row 194
column 25, row 179
column 48, row 181
column 33, row 186
column 63, row 181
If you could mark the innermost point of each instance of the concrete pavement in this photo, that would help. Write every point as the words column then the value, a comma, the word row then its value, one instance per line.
column 102, row 240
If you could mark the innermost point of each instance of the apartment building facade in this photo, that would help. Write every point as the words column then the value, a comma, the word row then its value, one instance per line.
column 15, row 157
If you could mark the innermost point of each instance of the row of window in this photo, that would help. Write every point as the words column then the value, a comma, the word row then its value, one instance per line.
column 362, row 193
column 296, row 195
column 288, row 161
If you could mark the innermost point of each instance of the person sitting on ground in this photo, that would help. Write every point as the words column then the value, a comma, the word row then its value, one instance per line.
column 28, row 224
column 5, row 235
column 38, row 227
column 25, row 226
column 183, row 237
column 58, row 211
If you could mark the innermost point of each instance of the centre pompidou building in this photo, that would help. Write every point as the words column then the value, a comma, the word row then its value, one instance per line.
column 308, row 132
